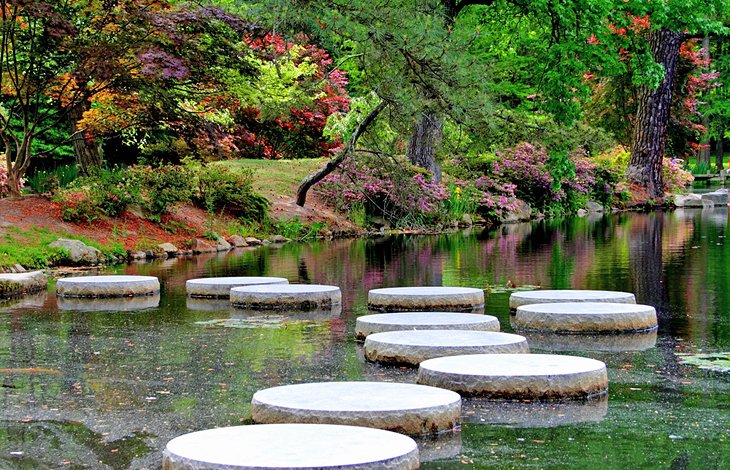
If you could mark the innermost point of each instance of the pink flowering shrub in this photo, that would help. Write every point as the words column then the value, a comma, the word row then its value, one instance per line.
column 675, row 177
column 390, row 188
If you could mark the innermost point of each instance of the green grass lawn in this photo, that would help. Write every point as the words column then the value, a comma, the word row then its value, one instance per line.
column 274, row 178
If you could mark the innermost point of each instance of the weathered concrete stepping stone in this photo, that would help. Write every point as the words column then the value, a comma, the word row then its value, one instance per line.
column 425, row 299
column 220, row 287
column 114, row 304
column 14, row 284
column 518, row 299
column 534, row 414
column 412, row 347
column 296, row 297
column 517, row 376
column 585, row 317
column 379, row 323
column 404, row 408
column 619, row 342
column 291, row 446
column 107, row 286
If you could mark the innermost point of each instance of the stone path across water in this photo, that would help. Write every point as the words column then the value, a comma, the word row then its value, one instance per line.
column 380, row 323
column 517, row 376
column 413, row 347
column 405, row 408
column 220, row 287
column 425, row 299
column 518, row 299
column 107, row 286
column 292, row 446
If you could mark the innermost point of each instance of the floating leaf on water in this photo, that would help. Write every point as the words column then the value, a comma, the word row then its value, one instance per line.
column 719, row 362
column 509, row 287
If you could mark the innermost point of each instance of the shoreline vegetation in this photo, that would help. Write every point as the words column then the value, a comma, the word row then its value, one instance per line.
column 31, row 226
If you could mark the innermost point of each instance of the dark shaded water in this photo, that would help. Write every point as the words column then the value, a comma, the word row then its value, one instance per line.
column 88, row 388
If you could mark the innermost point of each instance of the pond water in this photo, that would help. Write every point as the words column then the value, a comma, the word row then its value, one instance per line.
column 106, row 386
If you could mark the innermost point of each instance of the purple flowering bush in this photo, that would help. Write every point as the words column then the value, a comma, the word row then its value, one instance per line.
column 675, row 177
column 390, row 188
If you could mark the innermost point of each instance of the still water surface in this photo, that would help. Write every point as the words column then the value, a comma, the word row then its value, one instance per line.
column 90, row 385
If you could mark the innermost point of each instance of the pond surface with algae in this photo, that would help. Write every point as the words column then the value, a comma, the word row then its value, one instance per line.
column 105, row 386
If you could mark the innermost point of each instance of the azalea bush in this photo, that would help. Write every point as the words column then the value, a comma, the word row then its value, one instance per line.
column 676, row 177
column 386, row 187
column 221, row 189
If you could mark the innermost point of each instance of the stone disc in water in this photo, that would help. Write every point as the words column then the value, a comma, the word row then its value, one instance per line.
column 517, row 376
column 405, row 408
column 296, row 297
column 614, row 342
column 585, row 317
column 382, row 322
column 107, row 286
column 110, row 304
column 291, row 446
column 220, row 287
column 518, row 299
column 425, row 298
column 413, row 347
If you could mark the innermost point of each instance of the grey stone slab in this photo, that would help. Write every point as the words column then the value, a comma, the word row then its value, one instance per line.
column 294, row 297
column 619, row 342
column 404, row 408
column 518, row 299
column 716, row 198
column 220, row 287
column 517, row 376
column 534, row 414
column 379, row 323
column 585, row 317
column 412, row 347
column 14, row 284
column 291, row 446
column 109, row 304
column 425, row 298
column 107, row 286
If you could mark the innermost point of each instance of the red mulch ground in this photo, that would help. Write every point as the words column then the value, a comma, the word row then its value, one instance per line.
column 183, row 224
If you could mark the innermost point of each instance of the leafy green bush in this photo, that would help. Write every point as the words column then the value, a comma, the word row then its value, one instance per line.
column 105, row 192
column 222, row 189
column 161, row 187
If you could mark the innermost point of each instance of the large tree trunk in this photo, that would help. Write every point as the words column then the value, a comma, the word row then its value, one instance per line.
column 652, row 115
column 86, row 150
column 719, row 150
column 422, row 146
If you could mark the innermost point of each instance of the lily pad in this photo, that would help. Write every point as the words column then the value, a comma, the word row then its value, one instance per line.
column 719, row 362
column 505, row 289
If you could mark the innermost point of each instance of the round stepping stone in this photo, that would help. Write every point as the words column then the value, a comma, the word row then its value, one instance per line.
column 619, row 342
column 379, row 323
column 123, row 304
column 585, row 317
column 296, row 297
column 220, row 287
column 291, row 446
column 107, row 286
column 425, row 298
column 517, row 299
column 404, row 408
column 517, row 376
column 412, row 347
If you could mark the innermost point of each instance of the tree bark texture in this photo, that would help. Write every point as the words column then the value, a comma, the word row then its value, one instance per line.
column 422, row 145
column 87, row 151
column 719, row 150
column 349, row 149
column 652, row 116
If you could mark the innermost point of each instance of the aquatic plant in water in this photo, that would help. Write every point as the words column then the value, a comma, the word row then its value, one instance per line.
column 719, row 362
